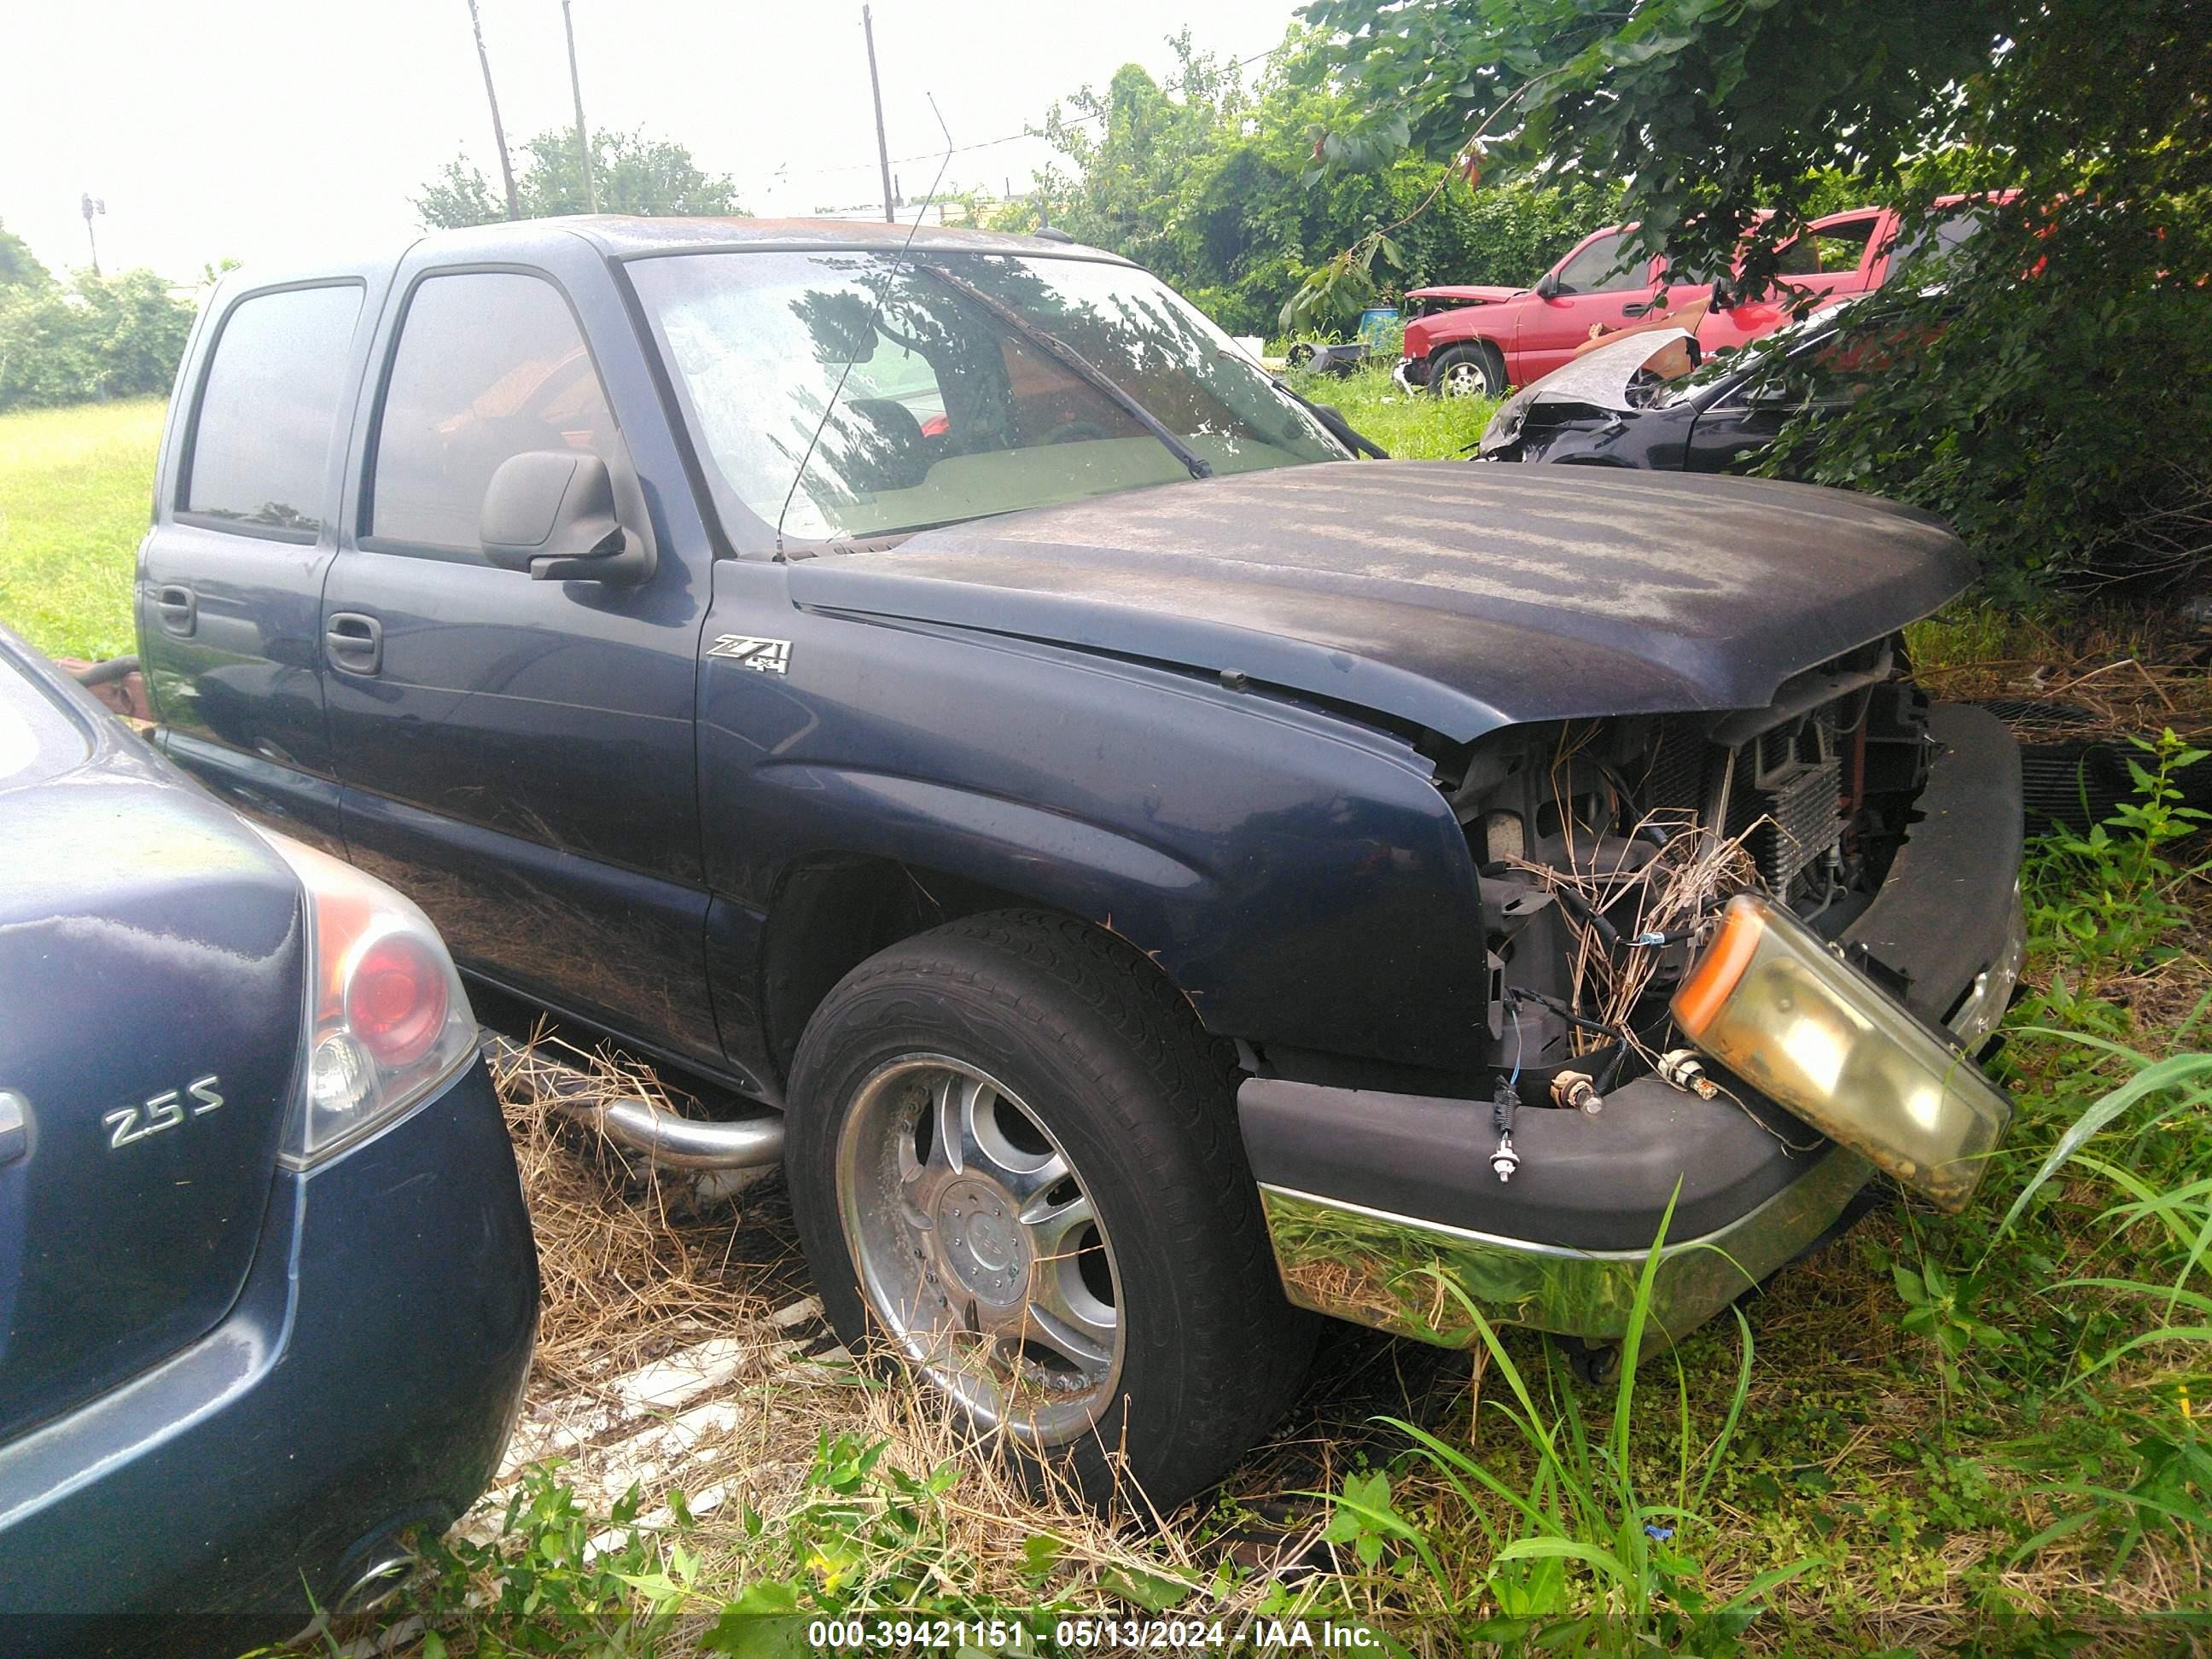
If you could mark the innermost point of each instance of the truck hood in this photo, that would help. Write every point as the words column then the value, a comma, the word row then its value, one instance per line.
column 1479, row 294
column 1459, row 597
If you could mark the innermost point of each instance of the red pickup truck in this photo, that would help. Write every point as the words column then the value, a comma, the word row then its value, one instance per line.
column 1482, row 340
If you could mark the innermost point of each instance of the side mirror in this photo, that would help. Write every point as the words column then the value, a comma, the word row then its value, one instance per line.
column 552, row 512
column 1547, row 286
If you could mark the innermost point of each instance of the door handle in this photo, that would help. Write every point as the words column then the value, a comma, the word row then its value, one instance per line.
column 1656, row 302
column 179, row 608
column 354, row 643
column 14, row 1126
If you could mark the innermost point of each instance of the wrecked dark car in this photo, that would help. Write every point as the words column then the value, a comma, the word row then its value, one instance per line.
column 1339, row 358
column 1168, row 875
column 1652, row 400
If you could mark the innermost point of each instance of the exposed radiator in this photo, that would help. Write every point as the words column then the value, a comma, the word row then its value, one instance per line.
column 1799, row 801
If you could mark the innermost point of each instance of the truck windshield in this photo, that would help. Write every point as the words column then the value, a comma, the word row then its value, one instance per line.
column 974, row 386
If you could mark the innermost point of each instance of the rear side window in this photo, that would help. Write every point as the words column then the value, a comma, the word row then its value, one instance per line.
column 490, row 365
column 268, row 412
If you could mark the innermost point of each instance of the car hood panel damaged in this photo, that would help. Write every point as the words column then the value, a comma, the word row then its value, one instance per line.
column 1458, row 597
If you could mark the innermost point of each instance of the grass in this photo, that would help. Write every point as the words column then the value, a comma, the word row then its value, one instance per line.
column 1412, row 426
column 76, row 489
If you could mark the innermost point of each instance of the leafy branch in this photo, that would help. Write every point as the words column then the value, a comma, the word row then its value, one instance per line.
column 1327, row 291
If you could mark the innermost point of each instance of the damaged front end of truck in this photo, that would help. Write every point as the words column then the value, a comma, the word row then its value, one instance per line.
column 1739, row 962
column 1703, row 914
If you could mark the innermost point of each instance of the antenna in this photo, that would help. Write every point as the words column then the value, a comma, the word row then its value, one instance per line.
column 876, row 91
column 92, row 204
column 876, row 311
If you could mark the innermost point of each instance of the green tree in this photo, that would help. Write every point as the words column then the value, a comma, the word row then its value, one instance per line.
column 19, row 266
column 1212, row 184
column 95, row 337
column 655, row 178
column 2056, row 397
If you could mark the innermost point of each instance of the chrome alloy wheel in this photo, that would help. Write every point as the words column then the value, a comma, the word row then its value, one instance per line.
column 978, row 1248
column 1465, row 379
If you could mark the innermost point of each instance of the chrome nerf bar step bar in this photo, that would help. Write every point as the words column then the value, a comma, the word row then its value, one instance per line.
column 637, row 1125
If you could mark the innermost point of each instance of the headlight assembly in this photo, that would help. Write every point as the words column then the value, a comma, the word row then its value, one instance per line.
column 1770, row 1000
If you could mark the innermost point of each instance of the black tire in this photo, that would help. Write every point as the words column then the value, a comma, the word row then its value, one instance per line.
column 1300, row 355
column 1466, row 371
column 1107, row 1058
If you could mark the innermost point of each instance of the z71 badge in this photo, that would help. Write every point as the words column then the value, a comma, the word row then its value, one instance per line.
column 763, row 656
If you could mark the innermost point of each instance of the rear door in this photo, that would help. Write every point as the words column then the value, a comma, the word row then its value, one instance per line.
column 230, row 575
column 1595, row 286
column 517, row 755
column 1841, row 254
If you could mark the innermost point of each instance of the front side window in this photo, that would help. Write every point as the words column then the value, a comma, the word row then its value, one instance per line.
column 1842, row 246
column 977, row 384
column 490, row 365
column 1604, row 267
column 1832, row 248
column 268, row 410
column 1938, row 236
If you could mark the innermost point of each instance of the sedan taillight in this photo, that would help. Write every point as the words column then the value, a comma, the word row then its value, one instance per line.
column 388, row 1021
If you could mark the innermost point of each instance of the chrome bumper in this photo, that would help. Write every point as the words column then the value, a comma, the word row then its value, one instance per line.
column 1407, row 1277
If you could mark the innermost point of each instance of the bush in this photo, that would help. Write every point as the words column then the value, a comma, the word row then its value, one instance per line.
column 95, row 338
column 2060, row 412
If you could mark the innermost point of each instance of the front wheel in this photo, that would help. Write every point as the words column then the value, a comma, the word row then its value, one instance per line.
column 1014, row 1162
column 1468, row 371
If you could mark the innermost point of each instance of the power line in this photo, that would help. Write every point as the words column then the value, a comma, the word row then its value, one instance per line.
column 1011, row 137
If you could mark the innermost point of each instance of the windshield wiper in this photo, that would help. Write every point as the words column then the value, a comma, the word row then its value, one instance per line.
column 1340, row 429
column 1069, row 358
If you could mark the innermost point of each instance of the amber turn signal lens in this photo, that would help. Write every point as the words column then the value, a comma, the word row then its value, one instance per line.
column 1704, row 993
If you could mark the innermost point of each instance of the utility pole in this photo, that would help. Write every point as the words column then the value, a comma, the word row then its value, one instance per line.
column 876, row 87
column 576, row 87
column 92, row 204
column 498, row 131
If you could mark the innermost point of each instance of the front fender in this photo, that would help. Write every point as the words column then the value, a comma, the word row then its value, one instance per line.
column 1295, row 874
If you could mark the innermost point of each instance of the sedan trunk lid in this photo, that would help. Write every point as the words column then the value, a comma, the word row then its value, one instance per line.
column 151, row 975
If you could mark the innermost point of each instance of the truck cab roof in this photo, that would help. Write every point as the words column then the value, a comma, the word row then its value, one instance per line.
column 624, row 236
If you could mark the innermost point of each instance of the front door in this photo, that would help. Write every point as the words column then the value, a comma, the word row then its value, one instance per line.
column 1593, row 288
column 517, row 755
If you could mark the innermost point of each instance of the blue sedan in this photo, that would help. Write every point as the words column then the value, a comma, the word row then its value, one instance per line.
column 267, row 1286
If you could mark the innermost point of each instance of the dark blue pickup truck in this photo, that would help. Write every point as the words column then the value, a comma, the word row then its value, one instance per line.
column 1169, row 875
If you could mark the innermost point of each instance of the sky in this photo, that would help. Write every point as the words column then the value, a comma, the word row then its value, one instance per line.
column 274, row 130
